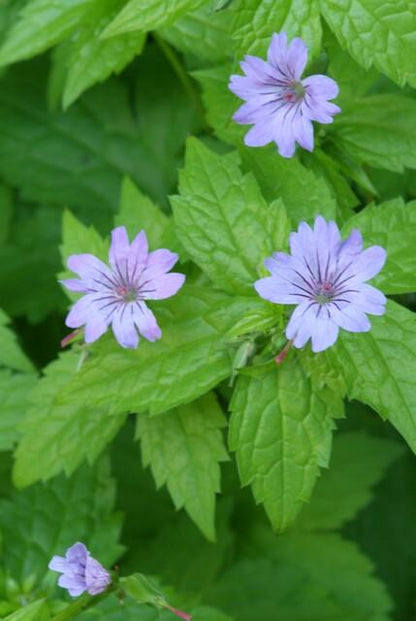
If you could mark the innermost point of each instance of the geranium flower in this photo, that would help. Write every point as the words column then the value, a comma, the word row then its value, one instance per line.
column 80, row 571
column 326, row 278
column 117, row 296
column 279, row 104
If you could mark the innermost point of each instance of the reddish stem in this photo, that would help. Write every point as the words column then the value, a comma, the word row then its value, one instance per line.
column 280, row 357
column 70, row 337
column 179, row 613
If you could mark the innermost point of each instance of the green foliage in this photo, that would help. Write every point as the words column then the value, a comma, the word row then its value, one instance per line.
column 281, row 432
column 37, row 611
column 257, row 20
column 14, row 389
column 380, row 131
column 391, row 225
column 146, row 15
column 11, row 355
column 183, row 448
column 376, row 33
column 47, row 518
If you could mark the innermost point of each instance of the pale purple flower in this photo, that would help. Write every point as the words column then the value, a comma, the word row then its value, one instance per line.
column 80, row 572
column 326, row 278
column 116, row 296
column 279, row 104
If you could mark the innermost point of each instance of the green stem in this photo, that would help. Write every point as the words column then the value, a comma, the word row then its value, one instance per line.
column 79, row 605
column 183, row 76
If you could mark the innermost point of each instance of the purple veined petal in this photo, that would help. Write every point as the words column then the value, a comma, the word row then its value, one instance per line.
column 123, row 327
column 368, row 264
column 299, row 322
column 146, row 322
column 259, row 135
column 119, row 246
column 159, row 262
column 97, row 578
column 243, row 87
column 140, row 247
column 276, row 290
column 260, row 71
column 164, row 286
column 326, row 241
column 257, row 109
column 277, row 52
column 75, row 586
column 324, row 334
column 58, row 563
column 284, row 135
column 302, row 241
column 87, row 266
column 83, row 310
column 350, row 318
column 95, row 327
column 350, row 248
column 303, row 132
column 279, row 262
column 77, row 553
column 297, row 57
column 321, row 87
column 320, row 111
column 73, row 284
column 369, row 300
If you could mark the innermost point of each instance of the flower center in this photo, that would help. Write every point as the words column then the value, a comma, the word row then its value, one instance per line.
column 128, row 294
column 294, row 92
column 324, row 293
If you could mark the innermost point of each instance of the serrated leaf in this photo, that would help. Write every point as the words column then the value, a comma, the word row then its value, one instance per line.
column 183, row 447
column 319, row 578
column 281, row 431
column 392, row 225
column 37, row 611
column 222, row 219
column 59, row 436
column 11, row 356
column 376, row 33
column 90, row 59
column 204, row 34
column 358, row 463
column 379, row 131
column 257, row 20
column 147, row 15
column 379, row 367
column 42, row 24
column 189, row 360
column 47, row 518
column 14, row 391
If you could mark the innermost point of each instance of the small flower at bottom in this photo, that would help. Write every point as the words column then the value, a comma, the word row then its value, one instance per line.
column 326, row 278
column 80, row 572
column 116, row 296
column 279, row 104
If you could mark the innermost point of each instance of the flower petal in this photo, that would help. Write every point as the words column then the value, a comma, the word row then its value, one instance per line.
column 350, row 318
column 95, row 328
column 73, row 284
column 124, row 328
column 303, row 132
column 159, row 262
column 58, row 563
column 119, row 246
column 259, row 135
column 369, row 263
column 163, row 286
column 297, row 56
column 277, row 290
column 84, row 310
column 146, row 322
column 77, row 553
column 88, row 266
column 321, row 87
column 369, row 300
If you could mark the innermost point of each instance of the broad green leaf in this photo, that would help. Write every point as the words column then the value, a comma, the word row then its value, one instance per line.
column 379, row 131
column 90, row 59
column 308, row 577
column 147, row 15
column 190, row 359
column 37, row 611
column 14, row 390
column 183, row 447
column 376, row 33
column 203, row 33
column 42, row 23
column 304, row 194
column 111, row 608
column 393, row 226
column 6, row 212
column 379, row 367
column 143, row 590
column 11, row 355
column 59, row 436
column 222, row 219
column 49, row 517
column 281, row 431
column 77, row 238
column 257, row 20
column 358, row 463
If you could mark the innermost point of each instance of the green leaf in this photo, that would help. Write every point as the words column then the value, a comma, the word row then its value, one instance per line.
column 14, row 390
column 189, row 360
column 42, row 24
column 48, row 518
column 59, row 436
column 90, row 59
column 379, row 367
column 222, row 219
column 204, row 34
column 183, row 447
column 6, row 212
column 147, row 15
column 142, row 589
column 257, row 20
column 376, row 33
column 281, row 431
column 358, row 463
column 393, row 226
column 37, row 611
column 304, row 194
column 379, row 131
column 11, row 355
